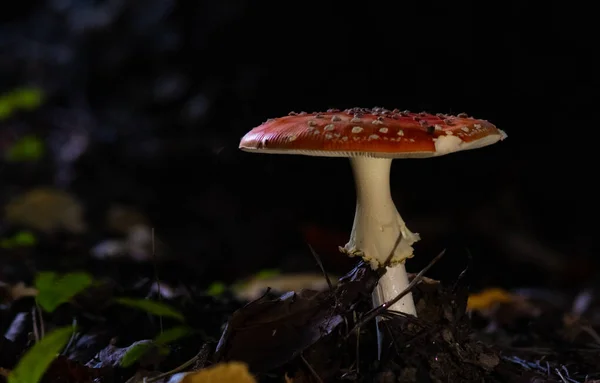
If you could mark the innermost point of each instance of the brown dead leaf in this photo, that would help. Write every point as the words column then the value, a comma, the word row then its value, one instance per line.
column 10, row 293
column 232, row 372
column 267, row 333
column 47, row 210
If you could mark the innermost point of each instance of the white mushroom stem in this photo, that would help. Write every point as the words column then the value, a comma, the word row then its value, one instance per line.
column 379, row 231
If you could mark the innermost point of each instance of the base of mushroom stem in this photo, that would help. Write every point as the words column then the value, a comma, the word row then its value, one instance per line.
column 390, row 285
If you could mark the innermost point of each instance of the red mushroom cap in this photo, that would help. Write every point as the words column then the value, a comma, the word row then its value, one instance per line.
column 376, row 132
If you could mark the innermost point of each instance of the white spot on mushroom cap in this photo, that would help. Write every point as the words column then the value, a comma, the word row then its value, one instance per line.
column 355, row 119
column 400, row 132
column 329, row 127
column 312, row 123
column 373, row 137
column 447, row 144
column 328, row 136
column 356, row 129
column 293, row 137
column 464, row 128
column 336, row 118
column 383, row 130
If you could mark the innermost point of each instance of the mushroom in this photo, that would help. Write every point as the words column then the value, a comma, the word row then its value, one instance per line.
column 372, row 138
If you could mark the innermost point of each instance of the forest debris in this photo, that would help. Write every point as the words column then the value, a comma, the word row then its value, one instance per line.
column 502, row 308
column 10, row 293
column 139, row 245
column 266, row 334
column 256, row 287
column 437, row 345
column 122, row 219
column 488, row 298
column 47, row 210
column 112, row 356
column 232, row 372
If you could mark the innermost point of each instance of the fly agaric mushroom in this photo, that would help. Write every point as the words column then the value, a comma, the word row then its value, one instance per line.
column 371, row 138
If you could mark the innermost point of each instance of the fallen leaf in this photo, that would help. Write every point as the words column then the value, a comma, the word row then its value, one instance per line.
column 267, row 333
column 281, row 283
column 145, row 352
column 10, row 293
column 488, row 298
column 232, row 372
column 47, row 210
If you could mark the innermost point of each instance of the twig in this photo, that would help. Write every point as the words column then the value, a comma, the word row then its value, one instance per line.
column 357, row 345
column 176, row 369
column 389, row 258
column 34, row 321
column 320, row 263
column 156, row 279
column 560, row 375
column 41, row 318
column 311, row 369
column 386, row 305
column 73, row 334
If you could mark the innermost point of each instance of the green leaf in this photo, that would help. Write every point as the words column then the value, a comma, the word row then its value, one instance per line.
column 173, row 334
column 24, row 239
column 216, row 289
column 266, row 274
column 152, row 307
column 27, row 98
column 36, row 360
column 135, row 352
column 54, row 290
column 21, row 239
column 27, row 148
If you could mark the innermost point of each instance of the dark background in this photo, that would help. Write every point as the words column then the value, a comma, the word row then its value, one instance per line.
column 161, row 91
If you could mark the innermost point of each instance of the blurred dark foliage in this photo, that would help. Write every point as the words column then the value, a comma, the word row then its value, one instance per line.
column 147, row 100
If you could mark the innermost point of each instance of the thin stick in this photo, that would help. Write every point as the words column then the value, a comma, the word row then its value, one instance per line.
column 41, row 319
column 320, row 263
column 156, row 279
column 175, row 370
column 73, row 335
column 34, row 320
column 357, row 345
column 386, row 305
column 311, row 369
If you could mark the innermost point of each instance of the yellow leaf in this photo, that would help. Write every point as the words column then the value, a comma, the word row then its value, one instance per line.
column 488, row 298
column 255, row 287
column 232, row 372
